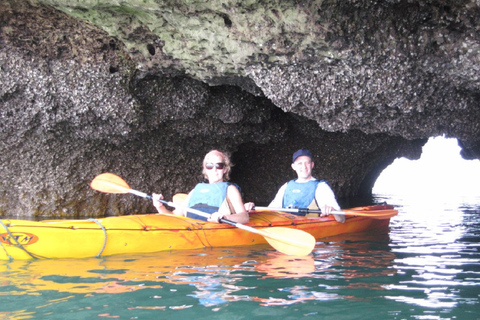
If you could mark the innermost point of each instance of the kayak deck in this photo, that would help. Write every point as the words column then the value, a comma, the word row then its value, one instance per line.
column 23, row 239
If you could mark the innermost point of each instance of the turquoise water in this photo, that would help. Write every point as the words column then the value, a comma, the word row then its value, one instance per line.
column 425, row 266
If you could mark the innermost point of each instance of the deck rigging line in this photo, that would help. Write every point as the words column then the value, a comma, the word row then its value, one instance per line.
column 18, row 244
column 104, row 232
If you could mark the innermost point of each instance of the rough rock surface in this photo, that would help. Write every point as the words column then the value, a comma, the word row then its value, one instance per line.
column 145, row 88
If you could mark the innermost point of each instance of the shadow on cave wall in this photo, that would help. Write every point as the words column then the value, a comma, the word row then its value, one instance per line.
column 350, row 162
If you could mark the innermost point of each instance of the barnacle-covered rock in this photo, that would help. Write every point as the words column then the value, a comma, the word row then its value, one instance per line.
column 145, row 88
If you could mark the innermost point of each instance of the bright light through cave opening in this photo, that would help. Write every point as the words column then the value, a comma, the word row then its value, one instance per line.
column 440, row 173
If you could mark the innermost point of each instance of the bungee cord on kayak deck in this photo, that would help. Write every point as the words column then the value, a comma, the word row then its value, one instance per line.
column 16, row 244
column 104, row 232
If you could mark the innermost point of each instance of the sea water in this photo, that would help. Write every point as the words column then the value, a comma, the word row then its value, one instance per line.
column 426, row 265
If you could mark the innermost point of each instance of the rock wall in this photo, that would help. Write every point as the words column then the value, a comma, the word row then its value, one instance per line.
column 144, row 89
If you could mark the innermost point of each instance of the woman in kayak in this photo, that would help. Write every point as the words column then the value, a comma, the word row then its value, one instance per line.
column 218, row 197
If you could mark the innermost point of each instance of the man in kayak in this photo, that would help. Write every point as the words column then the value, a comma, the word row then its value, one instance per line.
column 218, row 197
column 306, row 191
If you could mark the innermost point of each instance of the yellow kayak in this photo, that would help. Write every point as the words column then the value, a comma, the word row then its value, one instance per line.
column 23, row 239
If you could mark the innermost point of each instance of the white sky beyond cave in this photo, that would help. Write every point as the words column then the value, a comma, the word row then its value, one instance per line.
column 440, row 172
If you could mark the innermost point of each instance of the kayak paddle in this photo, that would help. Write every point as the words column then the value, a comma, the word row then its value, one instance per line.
column 374, row 214
column 285, row 240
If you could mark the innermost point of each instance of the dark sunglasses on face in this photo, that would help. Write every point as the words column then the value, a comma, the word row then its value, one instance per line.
column 210, row 166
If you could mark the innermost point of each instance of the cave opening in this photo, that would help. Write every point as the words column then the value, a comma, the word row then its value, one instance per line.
column 440, row 174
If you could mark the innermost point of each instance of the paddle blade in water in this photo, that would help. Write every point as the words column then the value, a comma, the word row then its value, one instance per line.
column 290, row 241
column 110, row 183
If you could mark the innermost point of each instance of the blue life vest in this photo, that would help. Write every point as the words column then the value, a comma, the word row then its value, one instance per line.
column 300, row 195
column 207, row 198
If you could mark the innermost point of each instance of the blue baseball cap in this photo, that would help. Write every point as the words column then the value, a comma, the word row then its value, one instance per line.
column 301, row 152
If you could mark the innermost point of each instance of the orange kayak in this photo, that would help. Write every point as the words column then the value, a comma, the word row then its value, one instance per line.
column 24, row 240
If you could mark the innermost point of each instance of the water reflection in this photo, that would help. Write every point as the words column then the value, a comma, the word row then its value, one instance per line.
column 205, row 268
column 278, row 265
column 434, row 253
column 217, row 274
column 426, row 265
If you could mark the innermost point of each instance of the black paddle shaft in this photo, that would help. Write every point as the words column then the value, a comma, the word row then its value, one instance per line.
column 200, row 213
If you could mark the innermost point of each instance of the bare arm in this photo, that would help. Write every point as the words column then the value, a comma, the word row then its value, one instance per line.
column 277, row 202
column 327, row 201
column 162, row 209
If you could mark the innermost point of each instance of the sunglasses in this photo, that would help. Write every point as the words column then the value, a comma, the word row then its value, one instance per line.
column 219, row 165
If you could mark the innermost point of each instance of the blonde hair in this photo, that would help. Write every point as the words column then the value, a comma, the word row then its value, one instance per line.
column 225, row 159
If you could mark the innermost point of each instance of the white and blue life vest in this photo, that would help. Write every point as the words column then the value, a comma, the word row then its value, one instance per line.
column 300, row 195
column 207, row 197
